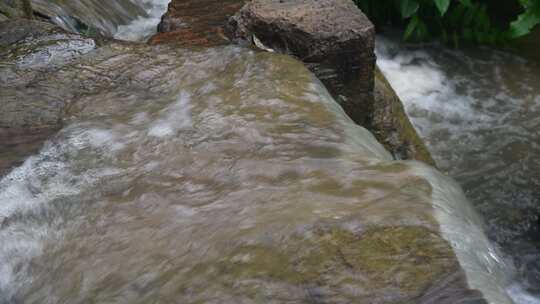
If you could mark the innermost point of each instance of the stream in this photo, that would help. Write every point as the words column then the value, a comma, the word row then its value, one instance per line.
column 231, row 176
column 479, row 111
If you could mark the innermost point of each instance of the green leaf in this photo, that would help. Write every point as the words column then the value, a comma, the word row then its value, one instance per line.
column 524, row 24
column 525, row 3
column 408, row 8
column 411, row 26
column 466, row 3
column 442, row 6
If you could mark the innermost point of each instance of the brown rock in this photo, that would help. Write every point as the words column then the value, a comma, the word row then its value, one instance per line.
column 196, row 22
column 333, row 37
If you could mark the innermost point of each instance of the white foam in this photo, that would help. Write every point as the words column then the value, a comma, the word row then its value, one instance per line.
column 42, row 179
column 456, row 106
column 142, row 28
column 430, row 97
column 48, row 175
column 173, row 118
column 461, row 226
column 520, row 296
column 19, row 245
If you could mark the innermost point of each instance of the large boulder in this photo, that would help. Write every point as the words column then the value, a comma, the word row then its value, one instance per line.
column 250, row 181
column 333, row 37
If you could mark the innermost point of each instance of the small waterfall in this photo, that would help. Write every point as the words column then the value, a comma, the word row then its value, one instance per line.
column 134, row 20
column 142, row 28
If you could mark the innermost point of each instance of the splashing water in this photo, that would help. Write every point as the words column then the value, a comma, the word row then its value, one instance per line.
column 142, row 28
column 479, row 113
column 81, row 16
column 133, row 20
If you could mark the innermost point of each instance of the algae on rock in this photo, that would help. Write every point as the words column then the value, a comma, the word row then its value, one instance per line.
column 391, row 125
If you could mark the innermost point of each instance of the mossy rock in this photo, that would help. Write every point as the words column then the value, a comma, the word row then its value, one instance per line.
column 405, row 258
column 392, row 127
column 9, row 11
column 393, row 263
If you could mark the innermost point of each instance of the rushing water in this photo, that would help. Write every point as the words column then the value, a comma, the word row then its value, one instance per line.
column 479, row 111
column 142, row 28
column 90, row 15
column 134, row 20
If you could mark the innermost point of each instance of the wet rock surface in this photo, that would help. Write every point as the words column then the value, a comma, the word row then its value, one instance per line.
column 196, row 23
column 11, row 9
column 333, row 37
column 251, row 182
column 392, row 127
column 29, row 50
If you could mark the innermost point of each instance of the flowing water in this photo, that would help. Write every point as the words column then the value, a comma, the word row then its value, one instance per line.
column 90, row 15
column 479, row 112
column 226, row 176
column 222, row 176
column 133, row 20
column 142, row 28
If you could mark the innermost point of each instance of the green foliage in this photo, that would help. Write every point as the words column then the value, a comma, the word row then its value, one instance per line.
column 442, row 6
column 452, row 21
column 526, row 20
column 408, row 8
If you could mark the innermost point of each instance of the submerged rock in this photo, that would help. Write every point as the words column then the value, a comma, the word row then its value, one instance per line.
column 29, row 50
column 218, row 175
